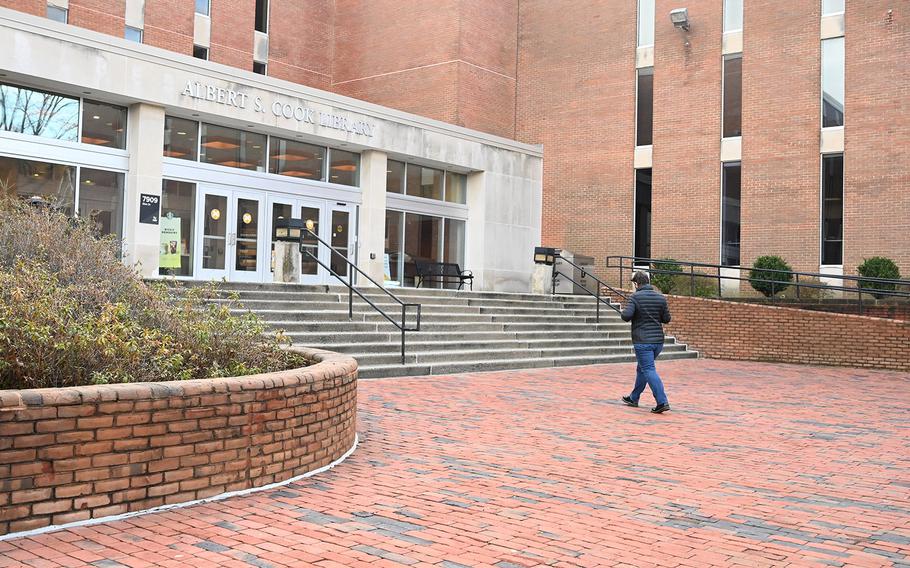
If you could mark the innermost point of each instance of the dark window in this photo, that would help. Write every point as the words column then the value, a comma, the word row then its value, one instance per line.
column 200, row 52
column 259, row 68
column 394, row 177
column 103, row 124
column 296, row 159
column 180, row 138
column 731, row 193
column 643, row 213
column 645, row 107
column 344, row 167
column 262, row 16
column 424, row 182
column 832, row 209
column 53, row 183
column 101, row 200
column 233, row 148
column 733, row 96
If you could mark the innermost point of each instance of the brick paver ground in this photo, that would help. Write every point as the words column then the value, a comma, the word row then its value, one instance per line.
column 757, row 465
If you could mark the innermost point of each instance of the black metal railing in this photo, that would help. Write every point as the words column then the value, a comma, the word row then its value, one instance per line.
column 585, row 273
column 901, row 288
column 402, row 326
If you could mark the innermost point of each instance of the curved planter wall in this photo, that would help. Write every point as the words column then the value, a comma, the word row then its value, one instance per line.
column 78, row 453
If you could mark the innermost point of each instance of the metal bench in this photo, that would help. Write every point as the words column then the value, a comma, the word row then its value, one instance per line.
column 442, row 273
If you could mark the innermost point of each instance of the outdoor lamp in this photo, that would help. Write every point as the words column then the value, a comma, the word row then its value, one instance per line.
column 680, row 18
column 544, row 255
column 310, row 225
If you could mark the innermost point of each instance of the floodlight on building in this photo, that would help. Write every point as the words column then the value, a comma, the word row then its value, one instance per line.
column 680, row 18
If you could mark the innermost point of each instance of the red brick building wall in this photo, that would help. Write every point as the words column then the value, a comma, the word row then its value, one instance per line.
column 781, row 165
column 576, row 96
column 685, row 194
column 169, row 25
column 36, row 7
column 233, row 24
column 301, row 42
column 750, row 332
column 877, row 132
column 105, row 16
column 78, row 453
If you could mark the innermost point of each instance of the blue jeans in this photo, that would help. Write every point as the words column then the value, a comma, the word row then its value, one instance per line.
column 646, row 373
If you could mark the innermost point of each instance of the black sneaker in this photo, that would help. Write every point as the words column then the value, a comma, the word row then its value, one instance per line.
column 630, row 402
column 660, row 408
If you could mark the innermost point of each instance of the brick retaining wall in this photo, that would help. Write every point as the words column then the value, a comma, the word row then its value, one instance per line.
column 751, row 332
column 77, row 453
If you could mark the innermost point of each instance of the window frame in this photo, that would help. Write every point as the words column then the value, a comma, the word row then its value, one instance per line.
column 822, row 200
column 843, row 80
column 723, row 97
column 724, row 166
column 265, row 22
column 647, row 71
column 128, row 29
column 741, row 4
column 208, row 8
column 58, row 9
column 639, row 22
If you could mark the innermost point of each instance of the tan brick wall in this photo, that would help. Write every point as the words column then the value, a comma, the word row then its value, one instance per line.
column 78, row 453
column 576, row 96
column 750, row 332
column 169, row 25
column 877, row 132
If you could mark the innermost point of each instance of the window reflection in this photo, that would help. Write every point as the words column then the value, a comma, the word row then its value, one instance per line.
column 733, row 96
column 233, row 148
column 101, row 200
column 344, row 167
column 180, row 138
column 103, row 125
column 27, row 179
column 38, row 113
column 296, row 159
column 833, row 82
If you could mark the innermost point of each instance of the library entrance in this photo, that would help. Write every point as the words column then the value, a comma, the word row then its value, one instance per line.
column 235, row 231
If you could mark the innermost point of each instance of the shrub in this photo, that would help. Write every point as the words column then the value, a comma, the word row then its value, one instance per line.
column 72, row 314
column 878, row 267
column 816, row 292
column 703, row 286
column 666, row 283
column 770, row 283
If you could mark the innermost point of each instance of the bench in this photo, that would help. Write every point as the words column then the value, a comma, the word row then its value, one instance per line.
column 442, row 273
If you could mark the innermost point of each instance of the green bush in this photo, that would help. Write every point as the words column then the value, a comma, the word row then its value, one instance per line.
column 72, row 314
column 666, row 283
column 878, row 267
column 770, row 283
column 703, row 285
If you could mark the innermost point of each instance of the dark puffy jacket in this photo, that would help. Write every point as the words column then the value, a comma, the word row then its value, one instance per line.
column 647, row 310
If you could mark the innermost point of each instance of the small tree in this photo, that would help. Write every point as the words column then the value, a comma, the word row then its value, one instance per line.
column 663, row 275
column 878, row 267
column 767, row 282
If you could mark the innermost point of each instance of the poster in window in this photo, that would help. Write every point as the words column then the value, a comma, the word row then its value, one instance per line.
column 169, row 256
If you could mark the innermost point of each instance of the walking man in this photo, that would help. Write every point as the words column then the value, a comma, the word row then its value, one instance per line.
column 647, row 310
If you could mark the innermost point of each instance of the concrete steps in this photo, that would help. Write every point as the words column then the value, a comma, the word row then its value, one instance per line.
column 461, row 331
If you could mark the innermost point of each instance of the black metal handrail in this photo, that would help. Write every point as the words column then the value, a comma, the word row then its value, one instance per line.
column 403, row 327
column 636, row 263
column 585, row 272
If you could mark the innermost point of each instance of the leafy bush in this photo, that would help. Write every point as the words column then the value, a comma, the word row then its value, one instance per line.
column 72, row 314
column 703, row 286
column 816, row 292
column 666, row 283
column 878, row 267
column 770, row 283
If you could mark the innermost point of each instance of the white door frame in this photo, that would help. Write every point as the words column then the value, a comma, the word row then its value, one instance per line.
column 230, row 216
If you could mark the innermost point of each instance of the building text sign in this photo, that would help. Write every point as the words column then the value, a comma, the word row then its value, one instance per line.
column 299, row 112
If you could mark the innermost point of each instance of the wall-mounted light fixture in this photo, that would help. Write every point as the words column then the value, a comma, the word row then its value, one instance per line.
column 680, row 18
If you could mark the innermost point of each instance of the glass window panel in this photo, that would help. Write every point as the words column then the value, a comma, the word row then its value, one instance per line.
column 832, row 7
column 424, row 182
column 203, row 7
column 308, row 265
column 394, row 245
column 340, row 236
column 296, row 159
column 233, row 148
column 259, row 68
column 51, row 183
column 200, row 52
column 262, row 16
column 643, row 213
column 645, row 23
column 103, row 124
column 178, row 219
column 344, row 167
column 180, row 138
column 832, row 209
column 733, row 15
column 57, row 14
column 731, row 205
column 421, row 242
column 394, row 177
column 733, row 96
column 833, row 82
column 247, row 254
column 38, row 113
column 280, row 213
column 133, row 34
column 454, row 242
column 456, row 188
column 645, row 107
column 101, row 200
column 214, row 236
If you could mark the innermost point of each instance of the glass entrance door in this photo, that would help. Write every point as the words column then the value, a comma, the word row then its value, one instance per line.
column 341, row 240
column 230, row 235
column 282, row 208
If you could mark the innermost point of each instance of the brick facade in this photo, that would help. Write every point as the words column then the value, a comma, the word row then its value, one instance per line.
column 563, row 75
column 78, row 453
column 751, row 332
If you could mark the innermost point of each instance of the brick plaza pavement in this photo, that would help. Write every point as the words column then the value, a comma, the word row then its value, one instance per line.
column 757, row 465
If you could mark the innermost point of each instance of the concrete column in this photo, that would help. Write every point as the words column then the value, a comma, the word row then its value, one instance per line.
column 475, row 229
column 371, row 230
column 145, row 143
